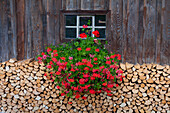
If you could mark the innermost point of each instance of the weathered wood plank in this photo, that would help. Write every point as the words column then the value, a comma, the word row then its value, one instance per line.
column 4, row 52
column 116, row 25
column 149, row 31
column 20, row 28
column 139, row 48
column 57, row 21
column 28, row 30
column 100, row 4
column 71, row 5
column 165, row 46
column 158, row 31
column 87, row 4
column 50, row 22
column 13, row 29
column 37, row 27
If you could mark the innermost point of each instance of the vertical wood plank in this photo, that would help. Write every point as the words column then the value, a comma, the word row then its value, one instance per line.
column 87, row 4
column 20, row 28
column 13, row 29
column 149, row 31
column 100, row 4
column 158, row 31
column 165, row 47
column 130, row 13
column 37, row 27
column 57, row 21
column 139, row 48
column 28, row 30
column 71, row 5
column 116, row 25
column 4, row 52
column 50, row 22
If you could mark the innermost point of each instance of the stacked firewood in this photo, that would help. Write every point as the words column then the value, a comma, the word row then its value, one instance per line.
column 23, row 88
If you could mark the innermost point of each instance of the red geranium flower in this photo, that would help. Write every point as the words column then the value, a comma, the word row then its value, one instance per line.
column 62, row 58
column 118, row 56
column 97, row 50
column 42, row 53
column 110, row 85
column 49, row 49
column 62, row 94
column 83, row 35
column 88, row 49
column 92, row 78
column 58, row 87
column 69, row 102
column 70, row 80
column 39, row 58
column 108, row 62
column 92, row 91
column 101, row 67
column 79, row 49
column 58, row 73
column 77, row 96
column 82, row 81
column 49, row 66
column 104, row 84
column 85, row 26
column 54, row 51
column 95, row 59
column 117, row 85
column 45, row 74
column 84, row 97
column 86, row 68
column 54, row 59
column 96, row 33
column 109, row 94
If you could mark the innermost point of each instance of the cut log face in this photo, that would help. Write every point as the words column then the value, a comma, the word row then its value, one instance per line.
column 24, row 88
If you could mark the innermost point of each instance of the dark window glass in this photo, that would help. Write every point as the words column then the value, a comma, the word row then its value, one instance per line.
column 86, row 30
column 85, row 20
column 102, row 32
column 71, row 20
column 70, row 32
column 100, row 20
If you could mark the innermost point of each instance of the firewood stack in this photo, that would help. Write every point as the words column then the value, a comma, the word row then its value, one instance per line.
column 23, row 88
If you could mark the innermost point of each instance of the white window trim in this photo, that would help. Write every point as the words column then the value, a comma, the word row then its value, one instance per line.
column 78, row 27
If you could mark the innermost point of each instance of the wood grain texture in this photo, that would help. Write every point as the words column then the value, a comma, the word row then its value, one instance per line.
column 165, row 23
column 140, row 28
column 116, row 25
column 87, row 4
column 20, row 28
column 13, row 29
column 149, row 31
column 37, row 27
column 4, row 52
column 50, row 22
column 72, row 4
column 136, row 29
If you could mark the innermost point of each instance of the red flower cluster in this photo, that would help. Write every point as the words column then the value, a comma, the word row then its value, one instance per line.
column 96, row 33
column 83, row 35
column 83, row 70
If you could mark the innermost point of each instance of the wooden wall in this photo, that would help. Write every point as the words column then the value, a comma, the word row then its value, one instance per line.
column 139, row 29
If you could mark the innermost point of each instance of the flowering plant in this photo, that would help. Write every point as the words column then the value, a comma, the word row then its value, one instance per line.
column 82, row 66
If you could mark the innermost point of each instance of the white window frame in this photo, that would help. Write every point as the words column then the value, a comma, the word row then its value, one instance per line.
column 93, row 26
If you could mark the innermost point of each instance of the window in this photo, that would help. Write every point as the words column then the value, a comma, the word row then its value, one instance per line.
column 74, row 25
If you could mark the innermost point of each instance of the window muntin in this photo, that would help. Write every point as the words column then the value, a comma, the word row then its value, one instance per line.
column 98, row 22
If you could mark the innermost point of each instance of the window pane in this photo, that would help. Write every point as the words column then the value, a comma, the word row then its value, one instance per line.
column 100, row 20
column 102, row 32
column 86, row 30
column 70, row 32
column 85, row 20
column 71, row 20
